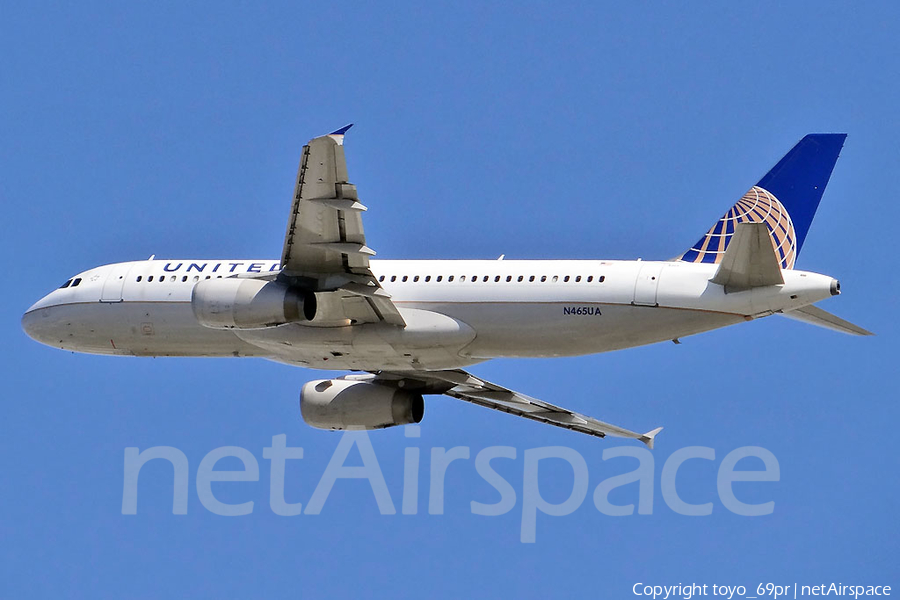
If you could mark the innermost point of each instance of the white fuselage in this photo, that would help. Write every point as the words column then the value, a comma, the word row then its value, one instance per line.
column 458, row 312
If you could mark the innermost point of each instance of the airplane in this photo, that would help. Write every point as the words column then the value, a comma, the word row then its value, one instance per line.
column 408, row 328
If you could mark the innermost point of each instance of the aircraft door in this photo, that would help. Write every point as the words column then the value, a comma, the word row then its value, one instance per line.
column 647, row 284
column 115, row 282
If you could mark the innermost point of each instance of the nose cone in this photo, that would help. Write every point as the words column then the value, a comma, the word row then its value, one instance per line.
column 37, row 321
column 30, row 321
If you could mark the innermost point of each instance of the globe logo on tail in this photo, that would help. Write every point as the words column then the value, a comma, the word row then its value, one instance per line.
column 756, row 206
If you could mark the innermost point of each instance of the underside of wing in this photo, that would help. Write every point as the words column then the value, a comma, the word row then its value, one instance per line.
column 464, row 386
column 325, row 247
column 359, row 303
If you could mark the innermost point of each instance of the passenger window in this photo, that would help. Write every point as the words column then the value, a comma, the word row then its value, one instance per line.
column 578, row 279
column 439, row 277
column 555, row 278
column 76, row 282
column 183, row 279
column 508, row 278
column 208, row 276
column 496, row 279
column 405, row 278
column 486, row 277
column 196, row 278
column 393, row 278
column 427, row 278
column 602, row 278
column 590, row 278
column 566, row 280
column 521, row 277
column 543, row 278
column 138, row 279
column 150, row 278
column 381, row 278
column 530, row 279
column 461, row 278
column 415, row 279
column 162, row 278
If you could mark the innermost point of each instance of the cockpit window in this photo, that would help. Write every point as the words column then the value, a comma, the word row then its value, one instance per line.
column 76, row 282
column 66, row 284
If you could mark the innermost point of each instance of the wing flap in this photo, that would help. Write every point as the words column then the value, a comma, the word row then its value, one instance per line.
column 386, row 310
column 345, row 203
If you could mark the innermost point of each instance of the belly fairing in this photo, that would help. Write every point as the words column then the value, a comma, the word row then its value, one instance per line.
column 429, row 341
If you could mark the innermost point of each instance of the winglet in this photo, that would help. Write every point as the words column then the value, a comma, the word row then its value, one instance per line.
column 338, row 135
column 647, row 438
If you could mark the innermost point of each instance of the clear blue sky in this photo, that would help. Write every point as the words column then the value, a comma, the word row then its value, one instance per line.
column 535, row 130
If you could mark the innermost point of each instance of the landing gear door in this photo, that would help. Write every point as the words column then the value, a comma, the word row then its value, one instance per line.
column 115, row 282
column 647, row 284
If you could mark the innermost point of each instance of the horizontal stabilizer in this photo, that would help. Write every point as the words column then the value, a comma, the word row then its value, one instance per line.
column 816, row 316
column 749, row 261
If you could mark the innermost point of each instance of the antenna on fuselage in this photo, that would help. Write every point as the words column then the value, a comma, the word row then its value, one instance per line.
column 501, row 257
column 152, row 256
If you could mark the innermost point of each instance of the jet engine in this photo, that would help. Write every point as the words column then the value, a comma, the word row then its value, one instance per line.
column 342, row 404
column 234, row 303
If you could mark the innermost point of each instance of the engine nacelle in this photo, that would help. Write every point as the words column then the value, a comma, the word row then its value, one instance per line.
column 342, row 404
column 234, row 303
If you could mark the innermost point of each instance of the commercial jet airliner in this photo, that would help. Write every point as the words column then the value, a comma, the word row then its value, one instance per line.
column 409, row 327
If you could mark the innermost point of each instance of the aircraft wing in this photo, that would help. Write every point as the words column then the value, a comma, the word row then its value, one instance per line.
column 464, row 386
column 325, row 247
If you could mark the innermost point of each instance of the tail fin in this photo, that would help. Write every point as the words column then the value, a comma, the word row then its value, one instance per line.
column 785, row 200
